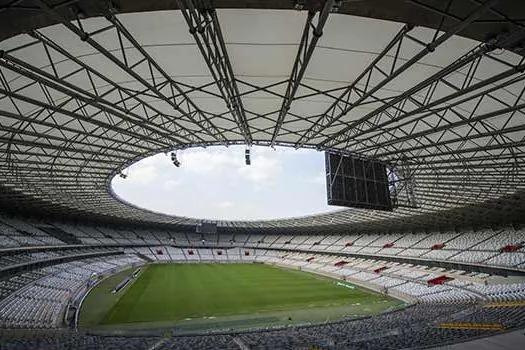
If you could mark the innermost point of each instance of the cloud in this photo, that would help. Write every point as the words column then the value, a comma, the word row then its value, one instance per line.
column 143, row 174
column 288, row 151
column 230, row 163
column 319, row 179
column 262, row 171
column 225, row 204
column 171, row 184
column 204, row 162
column 215, row 183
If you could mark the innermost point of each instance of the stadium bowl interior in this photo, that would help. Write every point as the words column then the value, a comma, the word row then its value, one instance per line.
column 431, row 90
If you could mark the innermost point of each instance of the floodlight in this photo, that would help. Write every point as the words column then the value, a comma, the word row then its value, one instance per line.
column 247, row 156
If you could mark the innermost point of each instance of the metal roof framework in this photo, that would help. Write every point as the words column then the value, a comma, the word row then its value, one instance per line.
column 83, row 99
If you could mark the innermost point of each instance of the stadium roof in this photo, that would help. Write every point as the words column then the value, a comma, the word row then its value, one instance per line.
column 436, row 87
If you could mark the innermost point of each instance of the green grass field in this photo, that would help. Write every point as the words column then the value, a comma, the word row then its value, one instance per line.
column 181, row 293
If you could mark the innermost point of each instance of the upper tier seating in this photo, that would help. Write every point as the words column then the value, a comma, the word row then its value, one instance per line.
column 469, row 239
column 505, row 237
column 435, row 238
column 480, row 247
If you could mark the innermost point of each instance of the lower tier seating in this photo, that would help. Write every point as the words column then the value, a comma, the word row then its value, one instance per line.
column 41, row 300
column 417, row 326
column 465, row 305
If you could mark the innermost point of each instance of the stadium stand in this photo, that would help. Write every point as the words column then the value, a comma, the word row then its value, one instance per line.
column 403, row 279
column 416, row 326
column 38, row 298
column 447, row 313
column 432, row 90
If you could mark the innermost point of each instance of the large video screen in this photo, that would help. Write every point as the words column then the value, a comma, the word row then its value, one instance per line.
column 356, row 182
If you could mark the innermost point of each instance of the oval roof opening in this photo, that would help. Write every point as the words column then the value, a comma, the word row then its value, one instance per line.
column 216, row 183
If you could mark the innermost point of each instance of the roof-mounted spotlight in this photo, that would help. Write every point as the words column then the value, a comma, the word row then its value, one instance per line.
column 124, row 173
column 336, row 6
column 299, row 5
column 247, row 159
column 174, row 159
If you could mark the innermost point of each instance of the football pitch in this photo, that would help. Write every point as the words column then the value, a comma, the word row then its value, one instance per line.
column 210, row 295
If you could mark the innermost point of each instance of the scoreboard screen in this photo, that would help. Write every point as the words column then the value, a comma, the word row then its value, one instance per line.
column 356, row 182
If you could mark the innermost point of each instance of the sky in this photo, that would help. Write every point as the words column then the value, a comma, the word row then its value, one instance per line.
column 215, row 183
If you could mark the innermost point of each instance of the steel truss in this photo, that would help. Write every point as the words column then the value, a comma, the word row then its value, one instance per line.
column 67, row 126
column 158, row 82
column 206, row 30
column 309, row 39
column 354, row 96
